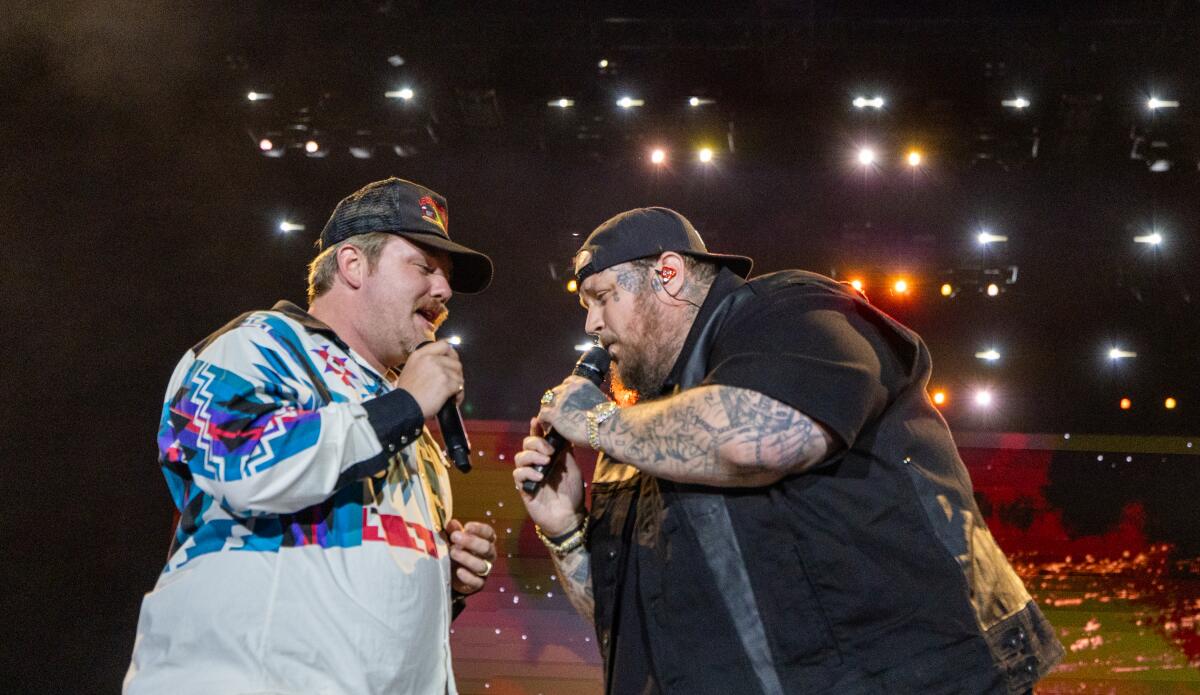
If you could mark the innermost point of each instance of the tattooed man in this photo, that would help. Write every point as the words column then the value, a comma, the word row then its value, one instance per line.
column 782, row 510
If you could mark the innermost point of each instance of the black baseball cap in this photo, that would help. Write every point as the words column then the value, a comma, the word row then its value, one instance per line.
column 644, row 232
column 411, row 211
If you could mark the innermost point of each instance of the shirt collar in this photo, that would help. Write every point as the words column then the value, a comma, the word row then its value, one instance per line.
column 314, row 325
column 725, row 283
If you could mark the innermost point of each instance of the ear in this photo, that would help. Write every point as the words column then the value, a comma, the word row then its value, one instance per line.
column 352, row 266
column 670, row 271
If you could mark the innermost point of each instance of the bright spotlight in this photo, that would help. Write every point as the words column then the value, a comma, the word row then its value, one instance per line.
column 563, row 103
column 947, row 290
column 694, row 101
column 705, row 155
column 454, row 340
column 993, row 290
column 863, row 102
column 1126, row 404
column 1119, row 354
column 985, row 237
column 266, row 145
column 939, row 397
column 572, row 285
column 857, row 284
column 259, row 96
column 658, row 155
column 900, row 286
column 1170, row 403
column 983, row 398
column 1153, row 239
column 1016, row 103
column 866, row 156
column 603, row 63
column 584, row 347
column 989, row 355
column 1154, row 104
column 286, row 226
column 914, row 158
column 404, row 93
column 630, row 102
column 700, row 101
column 312, row 146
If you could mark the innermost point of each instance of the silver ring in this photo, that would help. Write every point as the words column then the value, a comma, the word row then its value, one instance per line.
column 548, row 397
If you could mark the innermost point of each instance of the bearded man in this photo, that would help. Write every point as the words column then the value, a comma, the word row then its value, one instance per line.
column 784, row 510
column 316, row 549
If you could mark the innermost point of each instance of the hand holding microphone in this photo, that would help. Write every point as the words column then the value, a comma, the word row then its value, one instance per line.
column 593, row 366
column 433, row 376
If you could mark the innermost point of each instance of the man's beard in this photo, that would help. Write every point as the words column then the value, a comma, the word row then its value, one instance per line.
column 647, row 354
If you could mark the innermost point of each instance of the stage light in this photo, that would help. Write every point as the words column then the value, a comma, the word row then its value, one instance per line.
column 705, row 155
column 694, row 101
column 584, row 347
column 658, row 155
column 1118, row 354
column 866, row 156
column 900, row 286
column 1154, row 104
column 1170, row 403
column 404, row 93
column 1126, row 404
column 603, row 63
column 989, row 355
column 993, row 290
column 312, row 146
column 1153, row 239
column 286, row 226
column 914, row 158
column 1016, row 103
column 985, row 237
column 454, row 340
column 395, row 60
column 700, row 101
column 259, row 96
column 562, row 103
column 939, row 397
column 857, row 284
column 572, row 285
column 947, row 290
column 983, row 398
column 629, row 102
column 266, row 145
column 863, row 102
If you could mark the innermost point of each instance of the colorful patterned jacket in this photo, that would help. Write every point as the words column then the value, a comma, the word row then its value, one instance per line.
column 310, row 553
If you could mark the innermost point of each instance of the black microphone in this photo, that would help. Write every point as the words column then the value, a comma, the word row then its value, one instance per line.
column 458, row 447
column 593, row 366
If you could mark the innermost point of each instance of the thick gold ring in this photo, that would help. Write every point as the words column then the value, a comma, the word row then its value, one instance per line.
column 548, row 397
column 486, row 570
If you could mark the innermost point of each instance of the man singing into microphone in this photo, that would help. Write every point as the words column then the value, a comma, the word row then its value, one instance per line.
column 316, row 549
column 783, row 511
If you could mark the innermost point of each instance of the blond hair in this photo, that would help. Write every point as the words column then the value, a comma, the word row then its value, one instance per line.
column 323, row 269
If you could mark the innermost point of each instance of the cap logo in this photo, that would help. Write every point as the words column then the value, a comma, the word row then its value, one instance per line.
column 434, row 214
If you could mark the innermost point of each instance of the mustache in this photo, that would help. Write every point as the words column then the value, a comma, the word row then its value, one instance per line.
column 437, row 311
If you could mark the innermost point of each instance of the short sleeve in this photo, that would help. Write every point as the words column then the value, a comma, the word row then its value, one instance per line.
column 808, row 349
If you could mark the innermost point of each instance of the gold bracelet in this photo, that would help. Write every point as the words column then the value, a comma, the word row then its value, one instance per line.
column 569, row 544
column 596, row 417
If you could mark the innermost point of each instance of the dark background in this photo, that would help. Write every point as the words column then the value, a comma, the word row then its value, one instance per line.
column 138, row 214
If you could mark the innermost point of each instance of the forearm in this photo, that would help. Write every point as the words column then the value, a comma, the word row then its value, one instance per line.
column 575, row 574
column 715, row 435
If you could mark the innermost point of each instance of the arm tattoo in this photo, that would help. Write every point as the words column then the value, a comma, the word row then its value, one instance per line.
column 716, row 435
column 575, row 574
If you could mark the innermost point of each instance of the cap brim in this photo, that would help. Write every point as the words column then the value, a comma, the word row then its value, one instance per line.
column 471, row 272
column 738, row 264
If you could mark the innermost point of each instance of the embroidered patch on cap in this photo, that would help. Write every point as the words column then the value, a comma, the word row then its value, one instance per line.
column 434, row 213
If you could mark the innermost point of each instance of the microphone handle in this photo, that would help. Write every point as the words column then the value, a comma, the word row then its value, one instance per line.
column 559, row 443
